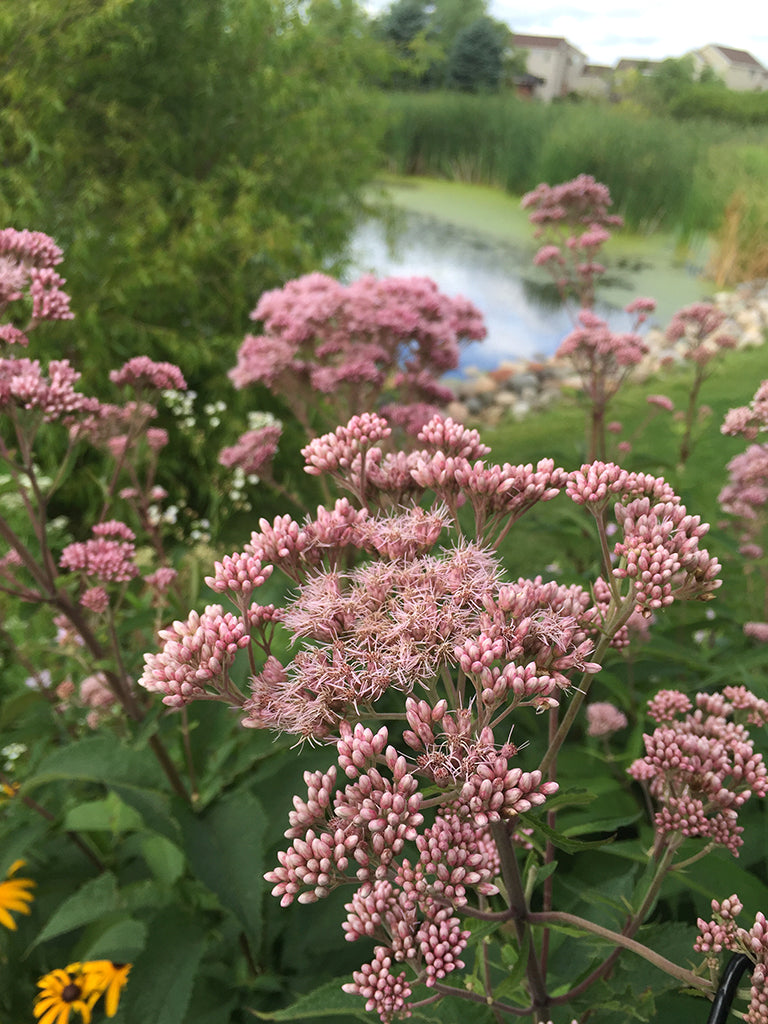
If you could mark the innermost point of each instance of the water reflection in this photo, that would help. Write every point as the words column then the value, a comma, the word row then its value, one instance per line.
column 523, row 312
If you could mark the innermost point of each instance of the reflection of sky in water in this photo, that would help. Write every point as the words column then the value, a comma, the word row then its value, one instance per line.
column 486, row 273
column 521, row 322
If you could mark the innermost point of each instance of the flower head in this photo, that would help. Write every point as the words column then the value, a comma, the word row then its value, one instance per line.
column 110, row 979
column 62, row 991
column 14, row 895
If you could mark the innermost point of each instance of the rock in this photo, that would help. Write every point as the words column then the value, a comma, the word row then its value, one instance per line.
column 516, row 388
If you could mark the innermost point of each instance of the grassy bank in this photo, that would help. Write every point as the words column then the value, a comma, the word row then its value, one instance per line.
column 559, row 433
column 680, row 176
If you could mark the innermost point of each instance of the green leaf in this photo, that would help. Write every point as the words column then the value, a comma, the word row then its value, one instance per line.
column 121, row 942
column 20, row 843
column 224, row 846
column 561, row 841
column 327, row 1001
column 98, row 759
column 598, row 825
column 518, row 965
column 133, row 774
column 165, row 859
column 108, row 815
column 162, row 976
column 97, row 897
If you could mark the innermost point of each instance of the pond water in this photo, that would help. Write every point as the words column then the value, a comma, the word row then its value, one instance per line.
column 476, row 242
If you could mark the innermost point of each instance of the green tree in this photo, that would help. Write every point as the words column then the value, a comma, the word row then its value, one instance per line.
column 187, row 154
column 476, row 60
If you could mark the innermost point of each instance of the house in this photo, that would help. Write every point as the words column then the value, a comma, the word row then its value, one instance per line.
column 552, row 59
column 594, row 81
column 738, row 69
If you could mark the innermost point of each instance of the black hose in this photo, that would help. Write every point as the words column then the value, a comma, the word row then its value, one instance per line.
column 729, row 982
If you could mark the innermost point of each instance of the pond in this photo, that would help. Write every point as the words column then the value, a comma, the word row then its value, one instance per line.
column 476, row 242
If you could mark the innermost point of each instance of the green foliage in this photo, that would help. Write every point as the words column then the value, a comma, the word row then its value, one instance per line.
column 475, row 62
column 660, row 171
column 187, row 156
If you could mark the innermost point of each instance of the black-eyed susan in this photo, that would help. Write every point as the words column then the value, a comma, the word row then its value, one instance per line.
column 110, row 978
column 14, row 895
column 62, row 991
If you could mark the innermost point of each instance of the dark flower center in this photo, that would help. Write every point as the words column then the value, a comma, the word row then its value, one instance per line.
column 71, row 992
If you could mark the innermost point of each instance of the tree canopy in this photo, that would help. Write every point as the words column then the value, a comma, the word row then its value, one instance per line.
column 187, row 154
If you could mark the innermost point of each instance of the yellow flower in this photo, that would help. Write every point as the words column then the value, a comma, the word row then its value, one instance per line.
column 110, row 979
column 62, row 991
column 14, row 895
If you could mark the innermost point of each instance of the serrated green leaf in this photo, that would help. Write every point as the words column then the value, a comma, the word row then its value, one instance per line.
column 120, row 942
column 164, row 973
column 97, row 897
column 132, row 774
column 224, row 847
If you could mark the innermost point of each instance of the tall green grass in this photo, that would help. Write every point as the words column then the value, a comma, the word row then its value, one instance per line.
column 661, row 172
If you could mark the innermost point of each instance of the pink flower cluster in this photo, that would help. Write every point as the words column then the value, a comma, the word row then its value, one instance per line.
column 594, row 349
column 254, row 450
column 573, row 219
column 397, row 610
column 350, row 344
column 109, row 555
column 27, row 259
column 700, row 764
column 697, row 329
column 749, row 420
column 580, row 201
column 724, row 933
column 745, row 496
column 197, row 654
column 604, row 718
column 141, row 373
column 24, row 385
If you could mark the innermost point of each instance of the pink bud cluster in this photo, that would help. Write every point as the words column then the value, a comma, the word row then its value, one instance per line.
column 195, row 658
column 347, row 343
column 254, row 450
column 700, row 764
column 24, row 384
column 749, row 420
column 360, row 831
column 594, row 348
column 697, row 330
column 573, row 219
column 27, row 259
column 109, row 555
column 604, row 718
column 337, row 451
column 724, row 933
column 659, row 551
column 361, row 828
column 142, row 373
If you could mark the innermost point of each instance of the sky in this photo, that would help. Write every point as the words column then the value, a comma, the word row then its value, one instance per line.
column 606, row 30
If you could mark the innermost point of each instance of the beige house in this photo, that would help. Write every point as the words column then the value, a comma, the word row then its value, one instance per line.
column 594, row 81
column 552, row 59
column 738, row 69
